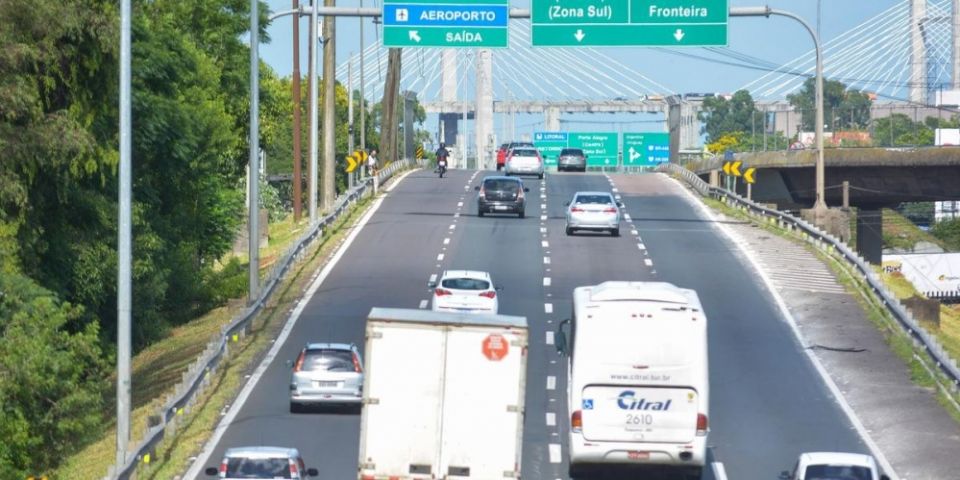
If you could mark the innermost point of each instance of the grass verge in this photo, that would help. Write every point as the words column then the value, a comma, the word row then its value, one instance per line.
column 922, row 370
column 159, row 368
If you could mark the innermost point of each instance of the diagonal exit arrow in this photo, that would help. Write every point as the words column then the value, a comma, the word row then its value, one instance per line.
column 633, row 154
column 678, row 34
column 414, row 36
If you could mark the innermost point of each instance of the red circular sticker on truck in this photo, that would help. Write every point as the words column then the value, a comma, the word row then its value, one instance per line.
column 495, row 347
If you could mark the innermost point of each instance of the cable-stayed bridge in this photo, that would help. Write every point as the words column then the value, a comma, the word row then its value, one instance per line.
column 902, row 55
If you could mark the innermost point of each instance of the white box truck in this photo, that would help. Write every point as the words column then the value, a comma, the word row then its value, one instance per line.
column 443, row 395
column 638, row 385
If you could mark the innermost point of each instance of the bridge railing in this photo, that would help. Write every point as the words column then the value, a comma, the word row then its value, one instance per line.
column 198, row 375
column 830, row 245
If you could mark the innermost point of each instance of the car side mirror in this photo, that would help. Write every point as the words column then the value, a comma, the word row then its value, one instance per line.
column 784, row 475
column 620, row 204
column 212, row 471
column 477, row 188
column 526, row 189
column 313, row 472
column 432, row 284
column 566, row 204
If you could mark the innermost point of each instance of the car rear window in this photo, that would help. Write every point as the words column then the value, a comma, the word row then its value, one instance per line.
column 502, row 185
column 571, row 151
column 599, row 199
column 329, row 360
column 465, row 284
column 239, row 467
column 524, row 152
column 839, row 472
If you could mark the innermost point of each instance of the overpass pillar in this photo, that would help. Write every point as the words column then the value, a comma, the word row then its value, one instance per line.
column 484, row 110
column 689, row 127
column 870, row 235
column 918, row 67
column 551, row 120
column 674, row 125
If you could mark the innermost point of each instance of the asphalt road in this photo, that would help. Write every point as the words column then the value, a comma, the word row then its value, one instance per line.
column 768, row 403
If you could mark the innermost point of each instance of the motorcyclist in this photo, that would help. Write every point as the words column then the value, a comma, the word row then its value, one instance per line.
column 442, row 158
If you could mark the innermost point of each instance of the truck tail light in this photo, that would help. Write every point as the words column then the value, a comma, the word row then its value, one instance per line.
column 576, row 421
column 702, row 424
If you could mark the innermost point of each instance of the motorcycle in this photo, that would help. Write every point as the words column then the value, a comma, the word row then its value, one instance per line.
column 441, row 167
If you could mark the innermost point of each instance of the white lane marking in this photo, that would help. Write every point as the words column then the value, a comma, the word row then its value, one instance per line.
column 551, row 419
column 718, row 472
column 549, row 338
column 446, row 241
column 551, row 382
column 423, row 303
column 466, row 187
column 546, row 281
column 626, row 217
column 648, row 262
column 641, row 246
column 634, row 232
column 459, row 204
column 544, row 197
column 543, row 206
column 251, row 384
column 440, row 257
column 433, row 278
column 547, row 308
column 554, row 453
column 792, row 322
column 614, row 188
column 452, row 227
column 546, row 260
column 543, row 229
column 544, row 244
column 543, row 217
column 456, row 215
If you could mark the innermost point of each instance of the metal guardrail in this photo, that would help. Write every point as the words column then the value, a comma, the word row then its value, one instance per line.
column 198, row 374
column 831, row 245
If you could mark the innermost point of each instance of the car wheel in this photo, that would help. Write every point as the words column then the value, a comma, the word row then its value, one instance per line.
column 296, row 407
column 615, row 232
column 569, row 231
column 576, row 471
column 540, row 176
column 479, row 212
column 694, row 474
column 521, row 214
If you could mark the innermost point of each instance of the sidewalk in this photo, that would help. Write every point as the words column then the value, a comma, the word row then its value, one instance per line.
column 916, row 435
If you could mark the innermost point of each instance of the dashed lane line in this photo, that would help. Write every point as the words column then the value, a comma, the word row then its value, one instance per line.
column 546, row 260
column 551, row 382
column 549, row 338
column 554, row 449
column 648, row 262
column 423, row 303
column 546, row 281
column 547, row 308
column 551, row 419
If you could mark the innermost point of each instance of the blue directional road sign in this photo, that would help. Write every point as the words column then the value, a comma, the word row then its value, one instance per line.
column 445, row 23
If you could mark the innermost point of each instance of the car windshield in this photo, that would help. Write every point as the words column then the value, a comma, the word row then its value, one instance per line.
column 465, row 284
column 330, row 360
column 837, row 472
column 524, row 152
column 572, row 152
column 502, row 185
column 239, row 467
column 595, row 199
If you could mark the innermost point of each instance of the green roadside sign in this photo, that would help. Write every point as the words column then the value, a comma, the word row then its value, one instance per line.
column 647, row 149
column 566, row 23
column 599, row 147
column 549, row 144
column 445, row 23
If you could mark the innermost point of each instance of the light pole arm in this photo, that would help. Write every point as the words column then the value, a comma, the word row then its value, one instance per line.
column 766, row 11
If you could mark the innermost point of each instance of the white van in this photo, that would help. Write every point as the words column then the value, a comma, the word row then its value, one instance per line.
column 637, row 385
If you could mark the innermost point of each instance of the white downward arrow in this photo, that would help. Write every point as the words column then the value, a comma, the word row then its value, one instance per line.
column 579, row 35
column 414, row 36
column 678, row 34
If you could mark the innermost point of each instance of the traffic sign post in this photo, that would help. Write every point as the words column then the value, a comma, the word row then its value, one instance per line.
column 645, row 149
column 445, row 23
column 566, row 23
column 550, row 144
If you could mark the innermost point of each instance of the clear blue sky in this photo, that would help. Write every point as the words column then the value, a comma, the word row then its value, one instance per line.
column 775, row 39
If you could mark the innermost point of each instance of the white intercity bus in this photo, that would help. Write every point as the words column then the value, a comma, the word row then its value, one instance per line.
column 637, row 376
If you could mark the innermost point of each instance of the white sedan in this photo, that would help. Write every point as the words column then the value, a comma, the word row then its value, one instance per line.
column 465, row 291
column 835, row 466
column 596, row 211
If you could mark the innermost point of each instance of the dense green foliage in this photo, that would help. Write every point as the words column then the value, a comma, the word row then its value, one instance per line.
column 949, row 232
column 737, row 125
column 843, row 108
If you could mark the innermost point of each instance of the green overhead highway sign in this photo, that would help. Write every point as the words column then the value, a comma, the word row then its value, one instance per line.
column 645, row 149
column 549, row 144
column 599, row 147
column 565, row 23
column 445, row 23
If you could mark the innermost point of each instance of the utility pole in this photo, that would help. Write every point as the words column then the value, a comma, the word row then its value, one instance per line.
column 388, row 125
column 124, row 243
column 329, row 107
column 363, row 97
column 253, row 207
column 312, row 169
column 297, row 154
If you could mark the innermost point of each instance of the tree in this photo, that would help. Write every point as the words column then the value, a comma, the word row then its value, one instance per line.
column 949, row 232
column 721, row 116
column 899, row 130
column 842, row 108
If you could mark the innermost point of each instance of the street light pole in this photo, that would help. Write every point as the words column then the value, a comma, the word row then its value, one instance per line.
column 124, row 244
column 820, row 203
column 254, row 177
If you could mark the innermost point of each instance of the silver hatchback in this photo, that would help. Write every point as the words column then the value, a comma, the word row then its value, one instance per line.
column 597, row 211
column 326, row 374
column 262, row 462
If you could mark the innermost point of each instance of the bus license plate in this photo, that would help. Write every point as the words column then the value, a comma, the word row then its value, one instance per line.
column 638, row 455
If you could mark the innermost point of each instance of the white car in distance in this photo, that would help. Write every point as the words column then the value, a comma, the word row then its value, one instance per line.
column 465, row 291
column 834, row 466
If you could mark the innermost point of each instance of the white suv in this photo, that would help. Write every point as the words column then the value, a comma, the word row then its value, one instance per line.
column 834, row 466
column 262, row 462
column 465, row 291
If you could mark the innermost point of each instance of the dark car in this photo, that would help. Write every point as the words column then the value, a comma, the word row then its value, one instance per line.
column 572, row 159
column 501, row 195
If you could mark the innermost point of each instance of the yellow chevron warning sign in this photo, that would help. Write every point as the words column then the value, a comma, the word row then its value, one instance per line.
column 726, row 168
column 749, row 173
column 355, row 159
column 351, row 163
column 735, row 168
